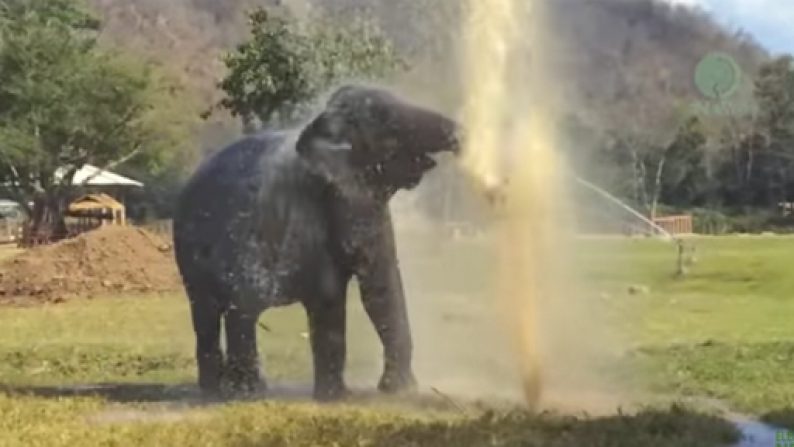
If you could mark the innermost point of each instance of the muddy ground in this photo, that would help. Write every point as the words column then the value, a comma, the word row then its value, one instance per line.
column 112, row 259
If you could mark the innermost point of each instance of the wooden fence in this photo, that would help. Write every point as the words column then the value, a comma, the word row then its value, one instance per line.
column 10, row 231
column 676, row 224
column 162, row 228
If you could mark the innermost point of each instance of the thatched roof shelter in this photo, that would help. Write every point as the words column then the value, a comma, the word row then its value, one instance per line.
column 98, row 206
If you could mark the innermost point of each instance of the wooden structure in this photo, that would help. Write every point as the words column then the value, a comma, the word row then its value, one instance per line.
column 10, row 232
column 675, row 225
column 12, row 219
column 94, row 210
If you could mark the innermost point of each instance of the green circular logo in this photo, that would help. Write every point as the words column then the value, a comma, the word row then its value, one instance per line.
column 717, row 76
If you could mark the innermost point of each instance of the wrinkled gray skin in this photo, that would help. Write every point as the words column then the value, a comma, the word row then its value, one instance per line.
column 286, row 217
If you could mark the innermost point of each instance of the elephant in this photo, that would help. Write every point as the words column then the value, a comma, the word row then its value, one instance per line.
column 291, row 216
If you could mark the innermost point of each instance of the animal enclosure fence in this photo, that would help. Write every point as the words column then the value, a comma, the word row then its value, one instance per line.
column 162, row 228
column 10, row 231
column 675, row 225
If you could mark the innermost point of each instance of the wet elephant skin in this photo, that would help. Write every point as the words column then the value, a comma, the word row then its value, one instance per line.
column 291, row 216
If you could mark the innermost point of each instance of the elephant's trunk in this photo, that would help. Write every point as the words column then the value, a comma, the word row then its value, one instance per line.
column 457, row 137
column 451, row 138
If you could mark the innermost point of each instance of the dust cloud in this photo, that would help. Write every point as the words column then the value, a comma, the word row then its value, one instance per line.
column 504, row 316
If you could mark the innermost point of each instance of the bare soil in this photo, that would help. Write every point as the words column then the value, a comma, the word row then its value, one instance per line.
column 110, row 260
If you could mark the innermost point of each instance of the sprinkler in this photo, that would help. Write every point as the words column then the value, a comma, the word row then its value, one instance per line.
column 494, row 193
column 684, row 259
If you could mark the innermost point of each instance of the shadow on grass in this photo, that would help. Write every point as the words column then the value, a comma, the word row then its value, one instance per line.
column 349, row 424
column 674, row 427
column 189, row 394
column 114, row 392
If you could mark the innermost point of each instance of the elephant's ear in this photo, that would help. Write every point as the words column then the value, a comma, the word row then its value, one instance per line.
column 324, row 133
column 352, row 122
column 327, row 151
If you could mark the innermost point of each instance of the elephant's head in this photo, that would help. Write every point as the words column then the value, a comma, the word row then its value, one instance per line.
column 369, row 136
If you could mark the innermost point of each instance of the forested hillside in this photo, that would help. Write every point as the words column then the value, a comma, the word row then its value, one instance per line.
column 628, row 68
column 615, row 47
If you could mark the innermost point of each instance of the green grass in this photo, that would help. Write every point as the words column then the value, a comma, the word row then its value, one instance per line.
column 724, row 331
column 721, row 332
column 38, row 422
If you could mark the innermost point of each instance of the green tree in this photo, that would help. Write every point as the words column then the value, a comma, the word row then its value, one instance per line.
column 773, row 163
column 684, row 181
column 286, row 64
column 754, row 167
column 65, row 103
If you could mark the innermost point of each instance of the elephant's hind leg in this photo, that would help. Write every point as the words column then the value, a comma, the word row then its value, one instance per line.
column 242, row 357
column 207, row 324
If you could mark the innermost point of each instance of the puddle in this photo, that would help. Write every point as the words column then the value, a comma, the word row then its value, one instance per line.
column 754, row 433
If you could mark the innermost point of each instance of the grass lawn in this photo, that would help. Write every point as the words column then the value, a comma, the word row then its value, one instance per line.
column 724, row 331
column 721, row 332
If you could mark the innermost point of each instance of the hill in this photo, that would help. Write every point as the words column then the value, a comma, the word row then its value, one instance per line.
column 628, row 65
column 614, row 49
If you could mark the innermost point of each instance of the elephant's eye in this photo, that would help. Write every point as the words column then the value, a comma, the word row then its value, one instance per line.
column 391, row 142
column 379, row 113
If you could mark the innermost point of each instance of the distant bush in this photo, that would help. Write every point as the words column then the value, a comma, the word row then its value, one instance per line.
column 753, row 221
column 707, row 221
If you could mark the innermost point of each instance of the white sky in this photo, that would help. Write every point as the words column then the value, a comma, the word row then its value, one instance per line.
column 770, row 21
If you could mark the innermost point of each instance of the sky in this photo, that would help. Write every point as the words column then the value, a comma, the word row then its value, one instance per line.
column 771, row 22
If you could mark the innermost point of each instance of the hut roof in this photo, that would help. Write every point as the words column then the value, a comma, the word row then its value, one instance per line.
column 94, row 202
column 93, row 176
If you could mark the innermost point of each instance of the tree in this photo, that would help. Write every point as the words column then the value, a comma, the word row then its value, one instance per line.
column 65, row 103
column 684, row 180
column 775, row 94
column 754, row 165
column 274, row 76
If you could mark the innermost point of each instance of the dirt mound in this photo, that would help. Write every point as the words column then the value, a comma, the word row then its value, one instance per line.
column 101, row 262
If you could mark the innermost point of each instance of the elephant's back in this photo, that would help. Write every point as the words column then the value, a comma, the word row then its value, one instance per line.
column 248, row 211
column 228, row 182
column 225, row 170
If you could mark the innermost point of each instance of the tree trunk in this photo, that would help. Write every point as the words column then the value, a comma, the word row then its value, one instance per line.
column 47, row 219
column 640, row 180
column 657, row 186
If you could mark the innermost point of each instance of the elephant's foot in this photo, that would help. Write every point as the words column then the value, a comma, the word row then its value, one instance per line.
column 330, row 392
column 243, row 380
column 209, row 385
column 211, row 395
column 397, row 381
column 210, row 376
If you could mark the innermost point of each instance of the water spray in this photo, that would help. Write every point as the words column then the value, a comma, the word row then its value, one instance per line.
column 510, row 118
column 681, row 260
column 507, row 114
column 493, row 192
column 666, row 236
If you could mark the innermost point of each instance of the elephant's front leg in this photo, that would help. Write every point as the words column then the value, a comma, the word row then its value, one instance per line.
column 327, row 332
column 384, row 300
column 207, row 325
column 242, row 367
